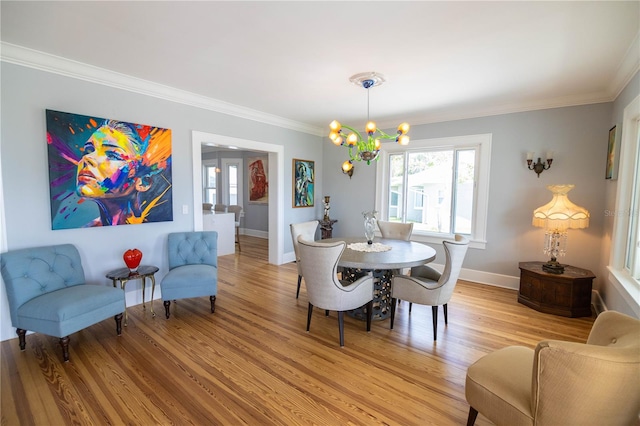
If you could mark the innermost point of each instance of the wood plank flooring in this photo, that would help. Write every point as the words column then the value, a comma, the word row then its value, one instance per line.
column 252, row 362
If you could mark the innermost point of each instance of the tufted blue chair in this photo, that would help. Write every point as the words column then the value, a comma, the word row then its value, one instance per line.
column 193, row 267
column 47, row 294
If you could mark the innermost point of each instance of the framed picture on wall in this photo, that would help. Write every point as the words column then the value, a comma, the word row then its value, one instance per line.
column 258, row 179
column 613, row 153
column 303, row 183
column 107, row 172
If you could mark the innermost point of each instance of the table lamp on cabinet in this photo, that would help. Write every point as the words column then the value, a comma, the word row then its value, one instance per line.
column 556, row 217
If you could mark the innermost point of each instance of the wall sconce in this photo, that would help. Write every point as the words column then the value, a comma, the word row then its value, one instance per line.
column 347, row 168
column 539, row 166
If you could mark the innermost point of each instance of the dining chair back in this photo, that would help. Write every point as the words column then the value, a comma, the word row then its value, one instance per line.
column 319, row 267
column 425, row 286
column 306, row 230
column 395, row 230
column 237, row 211
column 220, row 208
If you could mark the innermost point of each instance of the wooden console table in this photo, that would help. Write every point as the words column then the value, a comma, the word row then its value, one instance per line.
column 326, row 226
column 567, row 294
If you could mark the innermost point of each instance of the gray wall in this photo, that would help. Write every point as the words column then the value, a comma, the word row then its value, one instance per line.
column 578, row 135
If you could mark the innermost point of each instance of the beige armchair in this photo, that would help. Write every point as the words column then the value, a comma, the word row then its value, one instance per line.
column 426, row 286
column 562, row 383
column 395, row 230
column 306, row 230
column 319, row 267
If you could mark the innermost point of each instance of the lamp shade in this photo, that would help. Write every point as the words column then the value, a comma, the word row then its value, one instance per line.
column 560, row 213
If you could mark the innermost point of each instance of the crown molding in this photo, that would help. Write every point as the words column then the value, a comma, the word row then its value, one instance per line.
column 628, row 68
column 30, row 58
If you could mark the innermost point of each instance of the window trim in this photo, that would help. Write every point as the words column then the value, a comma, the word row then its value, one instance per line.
column 481, row 201
column 628, row 153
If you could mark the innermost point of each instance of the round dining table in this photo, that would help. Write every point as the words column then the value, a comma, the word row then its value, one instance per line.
column 398, row 254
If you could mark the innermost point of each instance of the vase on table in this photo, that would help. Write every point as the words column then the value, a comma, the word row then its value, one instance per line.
column 132, row 259
column 369, row 225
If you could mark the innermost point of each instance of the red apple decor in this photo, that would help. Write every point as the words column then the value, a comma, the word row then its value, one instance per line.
column 132, row 258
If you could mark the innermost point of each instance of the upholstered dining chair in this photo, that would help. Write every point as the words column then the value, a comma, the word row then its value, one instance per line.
column 193, row 267
column 562, row 383
column 221, row 208
column 395, row 230
column 306, row 230
column 319, row 268
column 426, row 286
column 48, row 294
column 237, row 211
column 207, row 206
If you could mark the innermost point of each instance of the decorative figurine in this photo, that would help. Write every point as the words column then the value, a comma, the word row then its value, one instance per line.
column 326, row 207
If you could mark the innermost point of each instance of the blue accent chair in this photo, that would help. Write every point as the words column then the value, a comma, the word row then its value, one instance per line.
column 193, row 267
column 48, row 294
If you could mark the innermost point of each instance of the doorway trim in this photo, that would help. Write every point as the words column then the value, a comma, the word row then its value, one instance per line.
column 276, row 185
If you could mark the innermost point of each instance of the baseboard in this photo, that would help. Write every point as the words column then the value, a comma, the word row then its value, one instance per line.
column 597, row 302
column 254, row 233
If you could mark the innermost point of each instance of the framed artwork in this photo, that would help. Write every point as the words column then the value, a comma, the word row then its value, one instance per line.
column 258, row 171
column 613, row 154
column 105, row 172
column 303, row 183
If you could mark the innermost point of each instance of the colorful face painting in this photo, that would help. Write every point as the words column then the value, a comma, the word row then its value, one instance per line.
column 106, row 172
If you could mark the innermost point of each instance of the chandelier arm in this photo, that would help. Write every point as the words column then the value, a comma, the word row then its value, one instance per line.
column 386, row 136
column 354, row 131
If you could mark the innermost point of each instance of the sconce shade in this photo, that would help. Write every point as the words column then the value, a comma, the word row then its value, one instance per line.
column 560, row 213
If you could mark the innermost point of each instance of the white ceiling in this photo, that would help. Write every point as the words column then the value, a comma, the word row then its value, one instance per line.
column 441, row 60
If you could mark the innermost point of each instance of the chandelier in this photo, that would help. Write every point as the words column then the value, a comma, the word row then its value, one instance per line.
column 364, row 149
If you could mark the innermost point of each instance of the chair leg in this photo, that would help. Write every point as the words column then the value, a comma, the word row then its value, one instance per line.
column 341, row 327
column 167, row 304
column 326, row 313
column 473, row 413
column 393, row 313
column 238, row 237
column 64, row 342
column 446, row 320
column 21, row 333
column 309, row 312
column 213, row 303
column 298, row 290
column 118, row 319
column 369, row 314
column 434, row 314
column 410, row 306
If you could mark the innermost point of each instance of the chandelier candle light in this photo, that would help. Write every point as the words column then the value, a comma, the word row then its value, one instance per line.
column 557, row 216
column 365, row 149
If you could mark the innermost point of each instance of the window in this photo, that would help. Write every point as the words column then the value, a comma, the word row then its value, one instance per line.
column 209, row 177
column 232, row 172
column 625, row 255
column 441, row 185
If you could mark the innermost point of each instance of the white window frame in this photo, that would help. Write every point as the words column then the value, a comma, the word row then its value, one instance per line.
column 205, row 164
column 226, row 162
column 482, row 143
column 627, row 184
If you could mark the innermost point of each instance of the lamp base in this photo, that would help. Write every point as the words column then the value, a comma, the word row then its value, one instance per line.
column 553, row 267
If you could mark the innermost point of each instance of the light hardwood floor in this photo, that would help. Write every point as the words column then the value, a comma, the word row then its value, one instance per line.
column 252, row 362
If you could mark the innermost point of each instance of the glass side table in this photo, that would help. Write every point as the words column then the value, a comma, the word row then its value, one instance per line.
column 124, row 275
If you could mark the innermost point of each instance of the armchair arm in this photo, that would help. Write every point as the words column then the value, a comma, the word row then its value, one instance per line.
column 424, row 271
column 574, row 383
